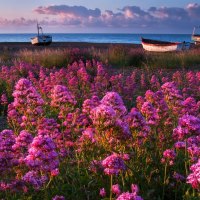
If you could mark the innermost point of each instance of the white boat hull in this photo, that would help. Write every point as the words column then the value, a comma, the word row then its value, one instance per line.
column 196, row 39
column 165, row 48
column 41, row 40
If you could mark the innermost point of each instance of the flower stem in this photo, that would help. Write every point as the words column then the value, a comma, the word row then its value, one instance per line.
column 164, row 182
column 111, row 182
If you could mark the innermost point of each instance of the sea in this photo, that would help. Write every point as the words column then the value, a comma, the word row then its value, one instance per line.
column 98, row 37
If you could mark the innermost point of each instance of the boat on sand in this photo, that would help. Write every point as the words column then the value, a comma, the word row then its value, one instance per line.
column 41, row 39
column 163, row 46
column 196, row 37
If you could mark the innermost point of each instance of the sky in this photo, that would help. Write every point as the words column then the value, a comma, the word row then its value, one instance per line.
column 102, row 16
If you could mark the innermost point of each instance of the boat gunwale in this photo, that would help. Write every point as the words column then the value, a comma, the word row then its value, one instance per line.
column 163, row 45
column 152, row 42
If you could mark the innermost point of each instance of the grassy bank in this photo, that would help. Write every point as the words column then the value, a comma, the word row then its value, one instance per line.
column 115, row 55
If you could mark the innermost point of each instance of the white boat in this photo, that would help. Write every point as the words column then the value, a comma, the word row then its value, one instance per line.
column 164, row 46
column 41, row 39
column 196, row 37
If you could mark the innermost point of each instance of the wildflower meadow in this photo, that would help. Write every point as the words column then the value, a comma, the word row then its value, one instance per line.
column 87, row 131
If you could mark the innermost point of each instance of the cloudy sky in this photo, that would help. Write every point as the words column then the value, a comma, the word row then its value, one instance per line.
column 103, row 16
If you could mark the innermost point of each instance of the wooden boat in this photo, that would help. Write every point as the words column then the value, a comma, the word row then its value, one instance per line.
column 41, row 39
column 196, row 37
column 163, row 46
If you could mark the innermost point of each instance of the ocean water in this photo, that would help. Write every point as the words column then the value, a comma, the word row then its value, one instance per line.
column 98, row 38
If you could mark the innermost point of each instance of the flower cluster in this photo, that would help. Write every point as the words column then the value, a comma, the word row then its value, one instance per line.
column 7, row 159
column 42, row 154
column 194, row 177
column 113, row 164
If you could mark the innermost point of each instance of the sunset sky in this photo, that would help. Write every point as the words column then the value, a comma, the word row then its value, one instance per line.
column 103, row 16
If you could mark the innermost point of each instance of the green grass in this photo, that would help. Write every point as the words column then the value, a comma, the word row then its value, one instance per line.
column 114, row 55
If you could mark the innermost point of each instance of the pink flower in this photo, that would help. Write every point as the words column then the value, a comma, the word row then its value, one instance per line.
column 103, row 115
column 116, row 189
column 114, row 100
column 58, row 198
column 102, row 192
column 150, row 113
column 113, row 164
column 60, row 95
column 55, row 172
column 4, row 100
column 194, row 177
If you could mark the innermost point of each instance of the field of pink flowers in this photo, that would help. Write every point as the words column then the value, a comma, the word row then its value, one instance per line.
column 85, row 132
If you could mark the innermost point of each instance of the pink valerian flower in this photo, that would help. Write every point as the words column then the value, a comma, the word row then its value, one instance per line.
column 143, row 81
column 55, row 172
column 114, row 100
column 83, row 75
column 89, row 104
column 22, row 142
column 4, row 100
column 194, row 152
column 102, row 192
column 188, row 125
column 128, row 196
column 34, row 179
column 157, row 100
column 140, row 101
column 88, row 134
column 101, row 80
column 130, row 86
column 76, row 122
column 13, row 117
column 194, row 177
column 116, row 83
column 26, row 96
column 171, row 91
column 133, row 195
column 116, row 189
column 173, row 96
column 60, row 96
column 42, row 154
column 193, row 140
column 113, row 164
column 28, row 103
column 180, row 145
column 49, row 127
column 178, row 77
column 189, row 107
column 120, row 131
column 150, row 113
column 7, row 159
column 13, row 186
column 134, row 189
column 58, row 198
column 137, row 123
column 103, row 116
column 154, row 82
column 168, row 156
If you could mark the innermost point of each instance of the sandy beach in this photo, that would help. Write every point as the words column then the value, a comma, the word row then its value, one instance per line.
column 16, row 46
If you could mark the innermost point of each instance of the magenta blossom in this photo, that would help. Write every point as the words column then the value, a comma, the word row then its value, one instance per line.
column 113, row 164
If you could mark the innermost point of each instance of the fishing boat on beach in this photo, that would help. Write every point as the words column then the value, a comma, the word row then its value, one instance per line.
column 41, row 39
column 196, row 37
column 163, row 46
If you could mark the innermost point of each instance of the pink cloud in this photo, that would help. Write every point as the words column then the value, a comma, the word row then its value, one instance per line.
column 129, row 17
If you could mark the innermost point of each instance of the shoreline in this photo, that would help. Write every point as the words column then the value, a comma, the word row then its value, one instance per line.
column 16, row 46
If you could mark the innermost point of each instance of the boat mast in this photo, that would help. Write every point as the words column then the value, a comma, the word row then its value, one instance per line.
column 38, row 28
